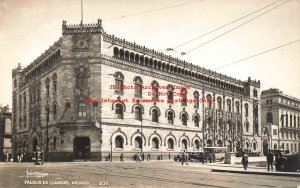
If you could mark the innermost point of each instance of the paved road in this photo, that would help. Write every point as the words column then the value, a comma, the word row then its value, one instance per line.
column 131, row 174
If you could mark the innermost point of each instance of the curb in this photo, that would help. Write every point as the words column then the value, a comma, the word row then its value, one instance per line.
column 260, row 173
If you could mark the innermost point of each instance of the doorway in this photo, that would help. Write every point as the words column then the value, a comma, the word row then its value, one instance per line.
column 81, row 147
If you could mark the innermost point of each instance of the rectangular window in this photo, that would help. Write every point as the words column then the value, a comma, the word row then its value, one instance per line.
column 274, row 131
column 82, row 110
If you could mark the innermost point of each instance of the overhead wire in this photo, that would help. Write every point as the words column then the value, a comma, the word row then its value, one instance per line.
column 249, row 57
column 244, row 23
column 153, row 10
column 218, row 28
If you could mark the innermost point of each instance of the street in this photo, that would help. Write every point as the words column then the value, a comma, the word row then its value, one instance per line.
column 131, row 174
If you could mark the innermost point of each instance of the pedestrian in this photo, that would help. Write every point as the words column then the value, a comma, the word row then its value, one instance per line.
column 42, row 157
column 245, row 161
column 108, row 157
column 143, row 156
column 7, row 156
column 148, row 157
column 22, row 158
column 169, row 156
column 121, row 157
column 161, row 156
column 140, row 157
column 184, row 158
column 136, row 157
column 270, row 160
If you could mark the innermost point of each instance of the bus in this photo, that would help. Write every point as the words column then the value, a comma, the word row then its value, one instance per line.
column 216, row 153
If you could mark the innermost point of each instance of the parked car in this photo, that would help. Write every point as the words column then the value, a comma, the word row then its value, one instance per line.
column 288, row 162
column 178, row 157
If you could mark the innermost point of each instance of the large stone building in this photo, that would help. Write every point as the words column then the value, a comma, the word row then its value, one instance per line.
column 93, row 93
column 280, row 121
column 5, row 132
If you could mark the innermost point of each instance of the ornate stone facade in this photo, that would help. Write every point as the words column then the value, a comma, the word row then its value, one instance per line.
column 91, row 94
column 280, row 120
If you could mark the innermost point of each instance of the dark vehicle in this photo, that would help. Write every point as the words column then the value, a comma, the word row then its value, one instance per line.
column 179, row 157
column 288, row 162
column 213, row 154
column 240, row 152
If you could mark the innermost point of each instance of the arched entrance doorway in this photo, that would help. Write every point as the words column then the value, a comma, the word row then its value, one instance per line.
column 81, row 147
column 35, row 143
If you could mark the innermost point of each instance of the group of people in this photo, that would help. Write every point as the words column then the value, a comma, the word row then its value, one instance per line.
column 270, row 160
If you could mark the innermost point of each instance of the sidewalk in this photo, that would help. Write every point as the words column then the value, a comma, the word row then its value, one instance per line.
column 219, row 167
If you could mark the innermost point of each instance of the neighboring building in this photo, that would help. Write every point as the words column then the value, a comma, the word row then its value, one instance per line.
column 280, row 121
column 93, row 94
column 5, row 132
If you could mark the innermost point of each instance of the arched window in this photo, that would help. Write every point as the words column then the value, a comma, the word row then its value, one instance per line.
column 119, row 80
column 155, row 143
column 209, row 143
column 155, row 90
column 119, row 142
column 237, row 107
column 269, row 117
column 196, row 99
column 170, row 117
column 138, row 87
column 184, row 144
column 138, row 113
column 196, row 120
column 219, row 105
column 82, row 80
column 81, row 110
column 54, row 110
column 209, row 101
column 47, row 83
column 54, row 142
column 183, row 94
column 138, row 142
column 247, row 144
column 184, row 118
column 196, row 145
column 219, row 143
column 254, row 145
column 246, row 109
column 247, row 126
column 228, row 102
column 275, row 146
column 119, row 110
column 54, row 79
column 170, row 94
column 155, row 115
column 170, row 144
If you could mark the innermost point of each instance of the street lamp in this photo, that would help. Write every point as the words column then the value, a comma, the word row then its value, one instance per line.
column 47, row 132
column 142, row 134
column 111, row 150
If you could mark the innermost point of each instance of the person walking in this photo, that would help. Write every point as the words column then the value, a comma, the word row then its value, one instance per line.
column 270, row 160
column 245, row 161
column 7, row 156
column 136, row 157
column 148, row 157
column 42, row 157
column 121, row 157
column 184, row 158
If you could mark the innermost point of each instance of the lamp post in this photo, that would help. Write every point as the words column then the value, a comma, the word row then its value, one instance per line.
column 142, row 135
column 110, row 150
column 47, row 132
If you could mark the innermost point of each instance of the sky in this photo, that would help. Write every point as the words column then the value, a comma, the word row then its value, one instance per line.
column 28, row 28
